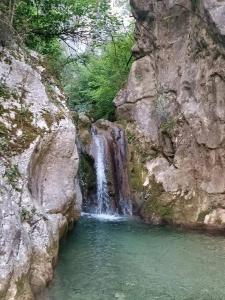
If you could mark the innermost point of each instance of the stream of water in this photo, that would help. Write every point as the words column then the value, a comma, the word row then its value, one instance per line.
column 124, row 259
column 109, row 150
column 103, row 199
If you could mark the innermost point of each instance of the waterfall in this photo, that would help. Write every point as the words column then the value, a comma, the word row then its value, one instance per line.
column 110, row 156
column 103, row 203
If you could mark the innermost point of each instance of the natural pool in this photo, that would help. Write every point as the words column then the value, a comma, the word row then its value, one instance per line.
column 128, row 260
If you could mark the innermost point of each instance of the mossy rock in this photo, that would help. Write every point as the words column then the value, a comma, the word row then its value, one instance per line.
column 12, row 175
column 194, row 4
column 12, row 144
column 136, row 175
column 87, row 173
column 4, row 91
column 202, row 214
column 23, row 289
column 154, row 204
column 48, row 117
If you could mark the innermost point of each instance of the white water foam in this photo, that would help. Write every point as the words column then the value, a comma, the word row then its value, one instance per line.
column 104, row 217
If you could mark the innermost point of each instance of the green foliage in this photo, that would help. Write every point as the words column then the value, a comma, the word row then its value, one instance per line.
column 168, row 125
column 96, row 83
column 94, row 77
column 12, row 175
column 26, row 215
column 130, row 136
column 4, row 92
column 153, row 205
column 40, row 23
column 163, row 114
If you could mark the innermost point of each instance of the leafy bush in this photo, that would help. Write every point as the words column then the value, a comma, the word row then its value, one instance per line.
column 96, row 83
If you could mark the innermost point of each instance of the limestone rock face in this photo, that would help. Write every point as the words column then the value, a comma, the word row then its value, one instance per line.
column 39, row 193
column 173, row 105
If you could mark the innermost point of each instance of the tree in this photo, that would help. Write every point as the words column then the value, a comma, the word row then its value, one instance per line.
column 95, row 84
column 42, row 22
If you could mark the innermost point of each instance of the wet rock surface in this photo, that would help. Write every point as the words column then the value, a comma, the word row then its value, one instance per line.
column 173, row 107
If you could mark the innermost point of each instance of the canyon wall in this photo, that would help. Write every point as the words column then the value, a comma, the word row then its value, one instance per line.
column 39, row 193
column 173, row 110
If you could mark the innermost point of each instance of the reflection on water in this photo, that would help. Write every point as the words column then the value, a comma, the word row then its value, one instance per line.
column 128, row 260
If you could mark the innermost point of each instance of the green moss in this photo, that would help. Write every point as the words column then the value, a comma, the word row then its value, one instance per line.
column 168, row 125
column 202, row 214
column 12, row 175
column 194, row 4
column 4, row 91
column 26, row 215
column 8, row 60
column 141, row 151
column 48, row 117
column 137, row 144
column 153, row 203
column 136, row 175
column 4, row 142
column 3, row 129
column 86, row 173
column 1, row 109
column 130, row 136
column 7, row 93
column 218, row 221
column 10, row 142
column 23, row 290
column 23, row 120
column 59, row 116
column 50, row 91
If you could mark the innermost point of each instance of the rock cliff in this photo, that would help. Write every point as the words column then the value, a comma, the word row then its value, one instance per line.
column 173, row 110
column 39, row 193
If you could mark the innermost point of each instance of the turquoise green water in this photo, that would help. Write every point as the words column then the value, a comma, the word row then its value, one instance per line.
column 128, row 260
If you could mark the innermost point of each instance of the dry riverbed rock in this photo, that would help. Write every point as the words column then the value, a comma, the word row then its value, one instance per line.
column 39, row 193
column 173, row 107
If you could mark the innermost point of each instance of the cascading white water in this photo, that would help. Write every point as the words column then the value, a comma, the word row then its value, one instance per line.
column 109, row 150
column 103, row 201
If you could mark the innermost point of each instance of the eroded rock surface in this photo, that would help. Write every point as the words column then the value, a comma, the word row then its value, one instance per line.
column 39, row 193
column 173, row 105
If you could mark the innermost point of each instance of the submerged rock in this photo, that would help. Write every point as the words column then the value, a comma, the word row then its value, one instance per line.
column 173, row 105
column 39, row 194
